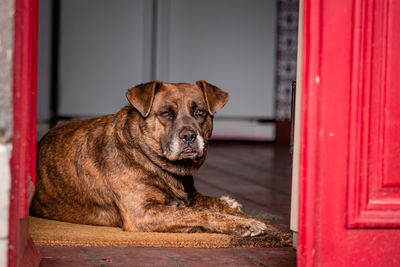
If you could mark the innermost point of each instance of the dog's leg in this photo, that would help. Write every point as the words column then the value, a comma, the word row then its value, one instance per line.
column 232, row 203
column 224, row 204
column 160, row 218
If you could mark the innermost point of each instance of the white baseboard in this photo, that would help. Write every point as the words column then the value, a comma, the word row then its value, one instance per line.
column 243, row 130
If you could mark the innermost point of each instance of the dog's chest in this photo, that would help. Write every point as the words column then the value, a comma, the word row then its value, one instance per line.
column 177, row 195
column 178, row 198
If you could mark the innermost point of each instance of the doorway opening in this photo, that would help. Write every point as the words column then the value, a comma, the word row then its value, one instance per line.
column 91, row 52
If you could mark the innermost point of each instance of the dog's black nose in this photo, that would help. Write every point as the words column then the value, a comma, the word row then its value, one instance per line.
column 188, row 136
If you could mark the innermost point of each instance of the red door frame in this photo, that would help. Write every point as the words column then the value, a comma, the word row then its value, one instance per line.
column 21, row 249
column 342, row 66
column 328, row 54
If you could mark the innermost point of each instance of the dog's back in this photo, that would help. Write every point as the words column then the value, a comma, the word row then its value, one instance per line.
column 69, row 160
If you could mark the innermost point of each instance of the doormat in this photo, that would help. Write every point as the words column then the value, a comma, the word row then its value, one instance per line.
column 54, row 233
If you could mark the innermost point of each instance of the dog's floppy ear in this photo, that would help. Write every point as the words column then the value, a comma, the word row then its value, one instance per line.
column 141, row 96
column 215, row 97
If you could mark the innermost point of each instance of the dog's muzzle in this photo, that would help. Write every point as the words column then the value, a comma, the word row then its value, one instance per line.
column 188, row 136
column 186, row 145
column 192, row 147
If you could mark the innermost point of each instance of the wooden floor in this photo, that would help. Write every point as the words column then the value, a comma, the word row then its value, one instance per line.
column 256, row 174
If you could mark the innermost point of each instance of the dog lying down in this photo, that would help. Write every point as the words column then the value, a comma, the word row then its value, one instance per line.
column 133, row 169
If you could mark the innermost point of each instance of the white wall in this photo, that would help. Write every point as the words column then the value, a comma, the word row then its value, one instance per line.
column 227, row 42
column 104, row 51
column 230, row 43
column 106, row 48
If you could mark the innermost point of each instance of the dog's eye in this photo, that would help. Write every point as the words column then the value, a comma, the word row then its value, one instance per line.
column 165, row 114
column 200, row 113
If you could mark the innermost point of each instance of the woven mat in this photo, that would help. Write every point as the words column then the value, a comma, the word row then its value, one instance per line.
column 54, row 233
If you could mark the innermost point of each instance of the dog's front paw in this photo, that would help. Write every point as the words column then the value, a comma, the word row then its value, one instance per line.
column 250, row 227
column 233, row 204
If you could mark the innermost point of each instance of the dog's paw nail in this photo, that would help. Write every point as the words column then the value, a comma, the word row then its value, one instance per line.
column 257, row 232
column 246, row 234
column 257, row 228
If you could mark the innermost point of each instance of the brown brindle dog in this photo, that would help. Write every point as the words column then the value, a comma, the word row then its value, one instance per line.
column 133, row 169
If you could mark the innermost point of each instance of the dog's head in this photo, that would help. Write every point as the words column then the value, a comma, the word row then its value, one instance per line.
column 176, row 121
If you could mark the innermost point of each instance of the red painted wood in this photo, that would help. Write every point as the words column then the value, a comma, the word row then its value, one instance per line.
column 24, row 98
column 23, row 156
column 308, row 131
column 374, row 187
column 349, row 134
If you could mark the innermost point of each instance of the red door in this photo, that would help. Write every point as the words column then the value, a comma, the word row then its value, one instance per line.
column 350, row 136
column 21, row 249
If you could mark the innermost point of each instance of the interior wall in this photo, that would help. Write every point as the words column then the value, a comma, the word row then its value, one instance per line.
column 230, row 43
column 288, row 17
column 44, row 60
column 107, row 47
column 104, row 50
column 227, row 42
